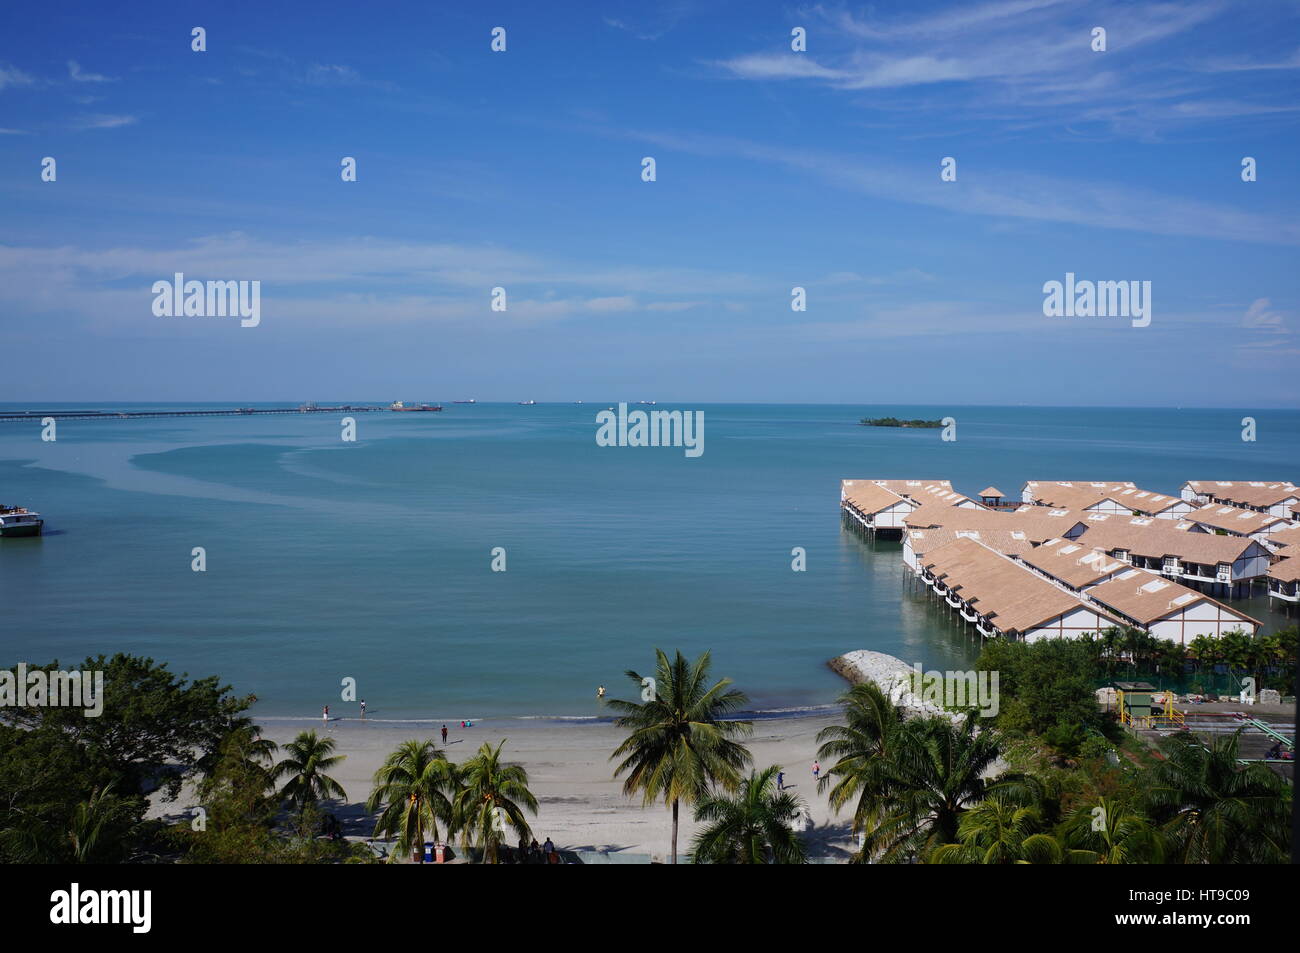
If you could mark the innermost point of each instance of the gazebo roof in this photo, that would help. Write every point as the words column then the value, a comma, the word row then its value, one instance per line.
column 992, row 491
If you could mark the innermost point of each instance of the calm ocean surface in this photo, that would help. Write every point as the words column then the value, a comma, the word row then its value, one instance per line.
column 372, row 559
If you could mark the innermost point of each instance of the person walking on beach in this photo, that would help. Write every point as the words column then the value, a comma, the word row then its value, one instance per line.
column 548, row 850
column 780, row 780
column 817, row 770
column 325, row 716
column 363, row 708
column 444, row 736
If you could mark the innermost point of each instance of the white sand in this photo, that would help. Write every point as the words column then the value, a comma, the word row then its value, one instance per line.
column 580, row 804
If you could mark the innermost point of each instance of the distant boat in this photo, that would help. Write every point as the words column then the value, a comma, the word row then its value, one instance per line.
column 19, row 521
column 398, row 405
column 470, row 401
column 527, row 403
column 650, row 402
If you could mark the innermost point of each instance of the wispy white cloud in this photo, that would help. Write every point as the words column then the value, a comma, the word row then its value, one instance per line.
column 331, row 74
column 78, row 75
column 405, row 281
column 1015, row 62
column 1269, row 339
column 102, row 121
column 12, row 76
column 1009, row 193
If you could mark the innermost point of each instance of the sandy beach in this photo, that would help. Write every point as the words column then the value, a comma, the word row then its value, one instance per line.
column 581, row 806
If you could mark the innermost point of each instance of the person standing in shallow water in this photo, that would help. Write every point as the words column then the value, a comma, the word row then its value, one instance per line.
column 363, row 708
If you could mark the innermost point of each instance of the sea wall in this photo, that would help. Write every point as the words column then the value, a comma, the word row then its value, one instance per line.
column 892, row 676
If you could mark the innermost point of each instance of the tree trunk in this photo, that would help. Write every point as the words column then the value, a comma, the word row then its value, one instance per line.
column 674, row 860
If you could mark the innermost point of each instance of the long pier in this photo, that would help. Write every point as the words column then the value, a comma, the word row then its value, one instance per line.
column 39, row 415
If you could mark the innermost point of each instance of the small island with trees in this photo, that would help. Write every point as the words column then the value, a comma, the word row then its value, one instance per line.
column 895, row 422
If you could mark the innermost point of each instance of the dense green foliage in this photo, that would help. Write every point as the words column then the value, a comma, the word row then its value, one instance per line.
column 1049, row 779
column 72, row 787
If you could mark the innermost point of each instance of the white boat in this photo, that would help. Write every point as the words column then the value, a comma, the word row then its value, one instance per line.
column 19, row 521
column 527, row 403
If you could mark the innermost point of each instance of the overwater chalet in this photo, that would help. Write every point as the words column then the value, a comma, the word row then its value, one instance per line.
column 1166, row 609
column 1150, row 503
column 1234, row 521
column 1117, row 499
column 873, row 506
column 1181, row 554
column 883, row 504
column 1037, row 524
column 1284, row 580
column 1073, row 564
column 928, row 491
column 1285, row 542
column 1002, row 598
column 918, row 542
column 1277, row 498
column 1089, row 496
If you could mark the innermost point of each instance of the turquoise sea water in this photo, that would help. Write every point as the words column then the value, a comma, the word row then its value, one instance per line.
column 373, row 559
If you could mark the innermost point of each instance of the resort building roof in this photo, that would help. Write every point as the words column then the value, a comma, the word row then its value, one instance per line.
column 1146, row 597
column 1287, row 540
column 1154, row 538
column 1007, row 594
column 871, row 497
column 1037, row 523
column 1253, row 493
column 1073, row 563
column 1286, row 570
column 1007, row 541
column 1237, row 521
column 1072, row 495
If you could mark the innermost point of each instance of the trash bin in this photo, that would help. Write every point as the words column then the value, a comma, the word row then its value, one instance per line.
column 441, row 853
column 428, row 852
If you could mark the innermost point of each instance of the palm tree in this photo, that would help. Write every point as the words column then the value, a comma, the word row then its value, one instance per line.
column 754, row 827
column 492, row 798
column 416, row 784
column 95, row 832
column 934, row 775
column 309, row 758
column 1217, row 811
column 999, row 830
column 858, row 751
column 1113, row 833
column 680, row 745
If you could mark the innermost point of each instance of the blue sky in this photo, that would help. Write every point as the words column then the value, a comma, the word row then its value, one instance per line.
column 775, row 169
